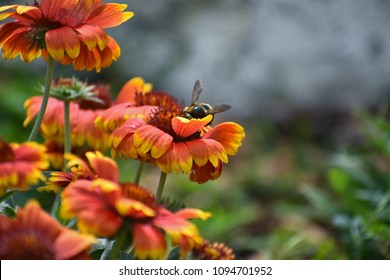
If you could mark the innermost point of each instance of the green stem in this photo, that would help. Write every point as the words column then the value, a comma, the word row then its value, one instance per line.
column 46, row 94
column 118, row 244
column 67, row 147
column 139, row 172
column 163, row 178
column 56, row 204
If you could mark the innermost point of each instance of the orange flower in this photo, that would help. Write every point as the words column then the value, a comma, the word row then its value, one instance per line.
column 177, row 144
column 69, row 31
column 34, row 234
column 21, row 165
column 215, row 251
column 96, row 165
column 103, row 207
column 82, row 116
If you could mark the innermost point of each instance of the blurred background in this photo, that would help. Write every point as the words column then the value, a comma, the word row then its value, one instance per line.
column 312, row 171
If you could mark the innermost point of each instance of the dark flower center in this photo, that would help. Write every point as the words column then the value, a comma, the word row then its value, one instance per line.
column 138, row 193
column 6, row 152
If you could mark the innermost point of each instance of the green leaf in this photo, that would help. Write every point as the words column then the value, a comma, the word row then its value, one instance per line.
column 7, row 210
column 174, row 254
column 97, row 254
column 6, row 195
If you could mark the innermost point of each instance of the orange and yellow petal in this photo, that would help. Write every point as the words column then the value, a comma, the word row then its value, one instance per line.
column 193, row 213
column 83, row 131
column 149, row 242
column 132, row 87
column 109, row 15
column 229, row 134
column 19, row 10
column 14, row 44
column 182, row 232
column 202, row 174
column 177, row 158
column 62, row 40
column 103, row 166
column 52, row 127
column 92, row 36
column 151, row 139
column 115, row 116
column 121, row 140
column 135, row 209
column 186, row 127
column 4, row 8
column 92, row 203
column 112, row 118
column 97, row 58
column 206, row 150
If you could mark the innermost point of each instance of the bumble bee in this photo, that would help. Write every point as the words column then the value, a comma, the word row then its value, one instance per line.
column 201, row 110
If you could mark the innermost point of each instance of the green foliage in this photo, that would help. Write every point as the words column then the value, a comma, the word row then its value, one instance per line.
column 360, row 181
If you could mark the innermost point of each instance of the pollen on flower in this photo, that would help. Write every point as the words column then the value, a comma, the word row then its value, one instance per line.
column 157, row 98
column 168, row 108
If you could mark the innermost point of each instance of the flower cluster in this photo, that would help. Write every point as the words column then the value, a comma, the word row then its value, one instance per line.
column 81, row 123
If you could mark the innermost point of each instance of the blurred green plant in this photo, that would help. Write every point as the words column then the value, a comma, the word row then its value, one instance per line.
column 357, row 207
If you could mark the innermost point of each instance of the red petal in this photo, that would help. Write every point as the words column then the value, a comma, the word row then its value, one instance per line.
column 69, row 12
column 70, row 244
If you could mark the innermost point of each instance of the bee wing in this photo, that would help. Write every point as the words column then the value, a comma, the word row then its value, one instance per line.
column 219, row 108
column 196, row 92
